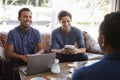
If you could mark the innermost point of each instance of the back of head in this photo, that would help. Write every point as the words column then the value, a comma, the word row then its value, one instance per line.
column 110, row 28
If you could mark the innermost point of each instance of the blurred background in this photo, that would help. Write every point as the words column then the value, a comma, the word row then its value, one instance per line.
column 87, row 14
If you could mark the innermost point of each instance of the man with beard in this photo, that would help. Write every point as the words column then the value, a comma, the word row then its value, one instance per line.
column 21, row 41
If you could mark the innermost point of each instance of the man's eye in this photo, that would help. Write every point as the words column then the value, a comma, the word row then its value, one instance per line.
column 68, row 21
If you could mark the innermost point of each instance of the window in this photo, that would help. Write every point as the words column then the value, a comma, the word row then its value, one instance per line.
column 87, row 14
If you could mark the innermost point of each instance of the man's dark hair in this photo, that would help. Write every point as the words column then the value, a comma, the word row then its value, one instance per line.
column 64, row 13
column 23, row 9
column 110, row 28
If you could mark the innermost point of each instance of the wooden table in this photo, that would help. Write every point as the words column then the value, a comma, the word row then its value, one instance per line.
column 63, row 75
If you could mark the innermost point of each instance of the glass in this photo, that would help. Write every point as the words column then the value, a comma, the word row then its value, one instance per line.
column 56, row 67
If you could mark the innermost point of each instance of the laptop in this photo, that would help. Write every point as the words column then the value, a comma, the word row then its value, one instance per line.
column 39, row 63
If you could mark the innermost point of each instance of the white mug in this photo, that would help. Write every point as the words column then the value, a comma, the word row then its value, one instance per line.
column 56, row 67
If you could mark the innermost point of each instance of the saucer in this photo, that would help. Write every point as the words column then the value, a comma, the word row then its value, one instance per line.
column 72, row 70
column 38, row 78
column 72, row 65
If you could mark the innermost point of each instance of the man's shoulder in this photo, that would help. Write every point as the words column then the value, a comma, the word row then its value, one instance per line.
column 57, row 29
column 96, row 65
column 74, row 28
column 14, row 30
column 34, row 29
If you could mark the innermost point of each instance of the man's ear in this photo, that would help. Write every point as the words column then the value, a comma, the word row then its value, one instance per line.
column 102, row 41
column 105, row 45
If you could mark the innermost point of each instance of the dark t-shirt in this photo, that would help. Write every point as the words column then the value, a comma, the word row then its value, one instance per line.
column 24, row 42
column 59, row 39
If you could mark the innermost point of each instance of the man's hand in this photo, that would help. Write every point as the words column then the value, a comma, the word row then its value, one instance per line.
column 64, row 51
column 71, row 51
column 68, row 51
column 24, row 58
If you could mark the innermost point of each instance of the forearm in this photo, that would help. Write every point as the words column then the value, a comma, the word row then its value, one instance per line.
column 16, row 56
column 60, row 51
column 40, row 51
column 56, row 50
column 81, row 50
column 13, row 55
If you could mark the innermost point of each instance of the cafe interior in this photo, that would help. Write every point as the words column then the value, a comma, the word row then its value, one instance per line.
column 57, row 71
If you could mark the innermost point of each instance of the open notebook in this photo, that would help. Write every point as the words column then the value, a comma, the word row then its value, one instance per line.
column 39, row 63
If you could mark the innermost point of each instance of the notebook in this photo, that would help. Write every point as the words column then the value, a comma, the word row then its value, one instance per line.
column 39, row 63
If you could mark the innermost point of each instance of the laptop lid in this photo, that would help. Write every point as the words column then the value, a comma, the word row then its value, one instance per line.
column 39, row 63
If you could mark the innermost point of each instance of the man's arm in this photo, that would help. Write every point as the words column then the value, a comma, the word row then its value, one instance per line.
column 39, row 48
column 74, row 50
column 59, row 51
column 39, row 44
column 9, row 53
column 80, row 42
column 80, row 50
column 69, row 51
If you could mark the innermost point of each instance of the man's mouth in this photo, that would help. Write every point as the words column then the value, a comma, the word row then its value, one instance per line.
column 27, row 23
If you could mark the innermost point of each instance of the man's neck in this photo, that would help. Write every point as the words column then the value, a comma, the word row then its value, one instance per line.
column 66, row 31
column 24, row 28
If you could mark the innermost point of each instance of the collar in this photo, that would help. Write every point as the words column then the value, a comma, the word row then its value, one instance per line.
column 19, row 28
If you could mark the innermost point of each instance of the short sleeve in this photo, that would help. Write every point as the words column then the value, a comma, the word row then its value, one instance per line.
column 10, row 38
column 80, row 39
column 53, row 44
column 38, row 36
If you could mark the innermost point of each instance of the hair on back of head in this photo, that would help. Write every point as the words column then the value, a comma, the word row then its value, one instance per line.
column 110, row 28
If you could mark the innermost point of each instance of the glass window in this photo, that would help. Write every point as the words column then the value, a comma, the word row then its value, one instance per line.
column 87, row 14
